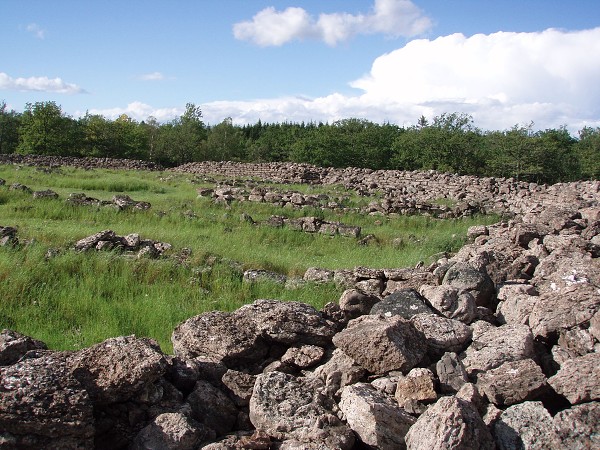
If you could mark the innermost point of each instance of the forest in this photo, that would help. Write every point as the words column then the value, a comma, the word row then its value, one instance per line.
column 449, row 143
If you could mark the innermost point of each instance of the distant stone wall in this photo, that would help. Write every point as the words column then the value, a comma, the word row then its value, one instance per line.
column 82, row 163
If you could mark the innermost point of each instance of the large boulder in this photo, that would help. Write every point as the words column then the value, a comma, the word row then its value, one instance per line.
column 465, row 277
column 118, row 368
column 382, row 344
column 375, row 418
column 579, row 379
column 287, row 407
column 451, row 423
column 526, row 426
column 42, row 405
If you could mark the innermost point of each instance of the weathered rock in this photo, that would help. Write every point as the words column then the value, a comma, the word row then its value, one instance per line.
column 316, row 275
column 48, row 193
column 339, row 371
column 578, row 428
column 224, row 337
column 211, row 407
column 451, row 373
column 450, row 423
column 303, row 357
column 170, row 431
column 118, row 368
column 495, row 346
column 578, row 379
column 525, row 426
column 512, row 382
column 517, row 302
column 467, row 278
column 43, row 406
column 442, row 334
column 577, row 341
column 14, row 345
column 257, row 275
column 451, row 302
column 91, row 241
column 287, row 407
column 381, row 344
column 240, row 385
column 374, row 417
column 404, row 303
column 356, row 303
column 418, row 385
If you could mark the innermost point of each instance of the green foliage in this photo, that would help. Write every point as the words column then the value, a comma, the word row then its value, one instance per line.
column 587, row 150
column 9, row 129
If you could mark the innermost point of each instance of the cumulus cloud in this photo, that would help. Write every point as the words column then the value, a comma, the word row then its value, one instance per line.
column 139, row 111
column 501, row 79
column 270, row 27
column 36, row 30
column 41, row 84
column 153, row 76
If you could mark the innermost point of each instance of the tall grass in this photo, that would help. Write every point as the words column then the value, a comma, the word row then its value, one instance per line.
column 76, row 299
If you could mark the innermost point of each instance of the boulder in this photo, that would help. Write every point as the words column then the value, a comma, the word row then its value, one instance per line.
column 357, row 303
column 404, row 303
column 450, row 423
column 495, row 346
column 42, row 405
column 14, row 345
column 579, row 426
column 381, row 344
column 578, row 379
column 374, row 417
column 316, row 275
column 451, row 302
column 286, row 407
column 442, row 334
column 118, row 368
column 526, row 426
column 512, row 382
column 170, row 431
column 339, row 371
column 465, row 277
column 451, row 373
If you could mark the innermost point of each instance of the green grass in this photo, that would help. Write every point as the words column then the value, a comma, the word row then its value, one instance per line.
column 76, row 299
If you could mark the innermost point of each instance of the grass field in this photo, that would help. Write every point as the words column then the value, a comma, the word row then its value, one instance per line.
column 76, row 299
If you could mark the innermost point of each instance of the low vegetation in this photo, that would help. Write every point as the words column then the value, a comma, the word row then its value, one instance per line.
column 72, row 299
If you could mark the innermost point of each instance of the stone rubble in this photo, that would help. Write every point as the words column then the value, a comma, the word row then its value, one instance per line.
column 504, row 354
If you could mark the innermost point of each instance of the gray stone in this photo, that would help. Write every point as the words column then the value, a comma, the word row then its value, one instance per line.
column 451, row 373
column 374, row 417
column 442, row 334
column 451, row 302
column 578, row 379
column 579, row 427
column 467, row 278
column 525, row 426
column 382, row 344
column 512, row 382
column 170, row 431
column 450, row 423
column 404, row 303
column 316, row 275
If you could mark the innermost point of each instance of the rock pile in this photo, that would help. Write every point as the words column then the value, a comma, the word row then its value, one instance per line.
column 88, row 163
column 120, row 202
column 496, row 347
column 132, row 243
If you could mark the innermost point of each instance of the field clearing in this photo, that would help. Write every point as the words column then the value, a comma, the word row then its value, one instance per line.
column 75, row 299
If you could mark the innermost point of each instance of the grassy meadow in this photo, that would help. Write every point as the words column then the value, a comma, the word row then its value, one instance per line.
column 74, row 299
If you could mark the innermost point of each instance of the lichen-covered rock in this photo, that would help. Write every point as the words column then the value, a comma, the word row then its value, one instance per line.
column 381, row 344
column 526, row 426
column 495, row 346
column 578, row 379
column 287, row 407
column 451, row 302
column 374, row 417
column 43, row 406
column 450, row 423
column 442, row 334
column 404, row 303
column 118, row 368
column 14, row 345
column 579, row 427
column 512, row 382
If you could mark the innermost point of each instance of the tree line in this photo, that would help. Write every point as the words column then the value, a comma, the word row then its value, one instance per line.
column 449, row 143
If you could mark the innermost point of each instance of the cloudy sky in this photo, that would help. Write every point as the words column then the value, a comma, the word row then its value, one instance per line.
column 504, row 62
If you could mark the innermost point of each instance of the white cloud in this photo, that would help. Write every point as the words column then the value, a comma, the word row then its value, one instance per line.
column 139, row 111
column 501, row 79
column 36, row 30
column 270, row 27
column 153, row 76
column 42, row 84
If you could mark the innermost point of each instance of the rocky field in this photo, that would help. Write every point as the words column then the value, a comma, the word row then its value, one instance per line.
column 497, row 346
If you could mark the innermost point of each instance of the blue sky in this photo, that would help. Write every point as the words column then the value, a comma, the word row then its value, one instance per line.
column 504, row 62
